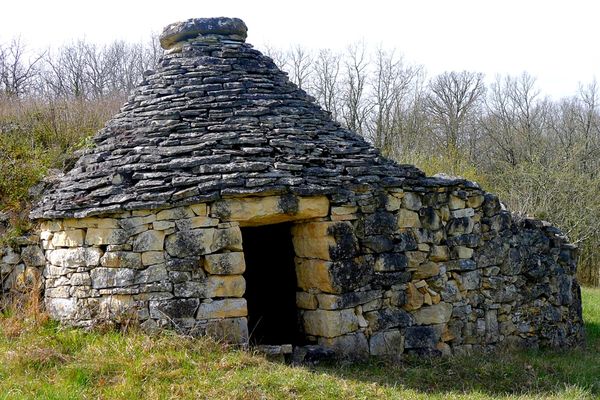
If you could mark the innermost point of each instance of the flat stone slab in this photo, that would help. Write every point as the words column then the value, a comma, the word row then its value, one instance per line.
column 194, row 27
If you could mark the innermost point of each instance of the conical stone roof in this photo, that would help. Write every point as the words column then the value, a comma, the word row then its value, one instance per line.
column 216, row 119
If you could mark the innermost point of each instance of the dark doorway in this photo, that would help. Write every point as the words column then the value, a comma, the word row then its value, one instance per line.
column 271, row 285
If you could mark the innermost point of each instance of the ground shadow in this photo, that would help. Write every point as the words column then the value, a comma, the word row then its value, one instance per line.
column 535, row 373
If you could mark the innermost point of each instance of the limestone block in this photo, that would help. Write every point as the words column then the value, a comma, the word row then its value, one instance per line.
column 51, row 226
column 102, row 236
column 200, row 210
column 149, row 241
column 393, row 203
column 190, row 243
column 463, row 213
column 225, row 286
column 195, row 223
column 175, row 214
column 460, row 226
column 391, row 262
column 90, row 222
column 154, row 273
column 475, row 201
column 227, row 239
column 306, row 301
column 134, row 222
column 190, row 289
column 226, row 308
column 330, row 324
column 61, row 308
column 81, row 279
column 347, row 300
column 112, row 277
column 414, row 298
column 439, row 253
column 11, row 257
column 33, row 256
column 70, row 238
column 313, row 273
column 252, row 211
column 419, row 337
column 386, row 343
column 426, row 270
column 435, row 314
column 344, row 210
column 78, row 257
column 229, row 330
column 456, row 203
column 171, row 309
column 163, row 225
column 388, row 318
column 333, row 277
column 462, row 252
column 430, row 218
column 353, row 345
column 408, row 219
column 153, row 257
column 411, row 201
column 115, row 306
column 121, row 259
column 313, row 240
column 415, row 259
column 225, row 263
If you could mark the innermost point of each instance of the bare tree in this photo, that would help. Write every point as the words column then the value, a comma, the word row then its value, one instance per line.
column 355, row 107
column 17, row 72
column 300, row 61
column 453, row 99
column 325, row 85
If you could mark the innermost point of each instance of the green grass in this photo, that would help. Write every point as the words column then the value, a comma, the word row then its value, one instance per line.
column 49, row 362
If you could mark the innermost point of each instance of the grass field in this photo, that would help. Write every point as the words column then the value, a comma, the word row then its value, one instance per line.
column 48, row 362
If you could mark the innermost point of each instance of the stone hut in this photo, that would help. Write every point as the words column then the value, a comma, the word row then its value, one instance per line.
column 223, row 200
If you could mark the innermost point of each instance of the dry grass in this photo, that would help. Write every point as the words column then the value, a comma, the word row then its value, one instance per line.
column 50, row 362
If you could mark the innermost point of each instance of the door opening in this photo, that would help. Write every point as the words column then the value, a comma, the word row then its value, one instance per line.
column 271, row 285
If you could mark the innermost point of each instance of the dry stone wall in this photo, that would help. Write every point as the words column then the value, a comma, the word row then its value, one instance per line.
column 436, row 269
column 21, row 266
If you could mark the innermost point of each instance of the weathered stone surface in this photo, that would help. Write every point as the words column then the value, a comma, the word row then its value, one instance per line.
column 33, row 256
column 332, row 277
column 173, row 308
column 198, row 27
column 225, row 286
column 254, row 211
column 101, row 236
column 408, row 219
column 149, row 241
column 306, row 301
column 435, row 314
column 175, row 214
column 190, row 243
column 112, row 277
column 61, row 309
column 195, row 223
column 353, row 346
column 78, row 257
column 388, row 318
column 154, row 273
column 229, row 330
column 391, row 262
column 70, row 238
column 226, row 308
column 225, row 264
column 313, row 240
column 421, row 337
column 330, row 324
column 153, row 257
column 386, row 343
column 346, row 300
column 121, row 259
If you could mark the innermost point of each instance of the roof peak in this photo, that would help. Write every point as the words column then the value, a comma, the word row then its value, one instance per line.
column 208, row 28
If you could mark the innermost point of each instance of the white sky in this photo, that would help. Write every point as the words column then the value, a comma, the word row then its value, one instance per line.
column 556, row 41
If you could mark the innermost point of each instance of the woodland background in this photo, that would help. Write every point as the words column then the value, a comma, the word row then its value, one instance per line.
column 540, row 155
